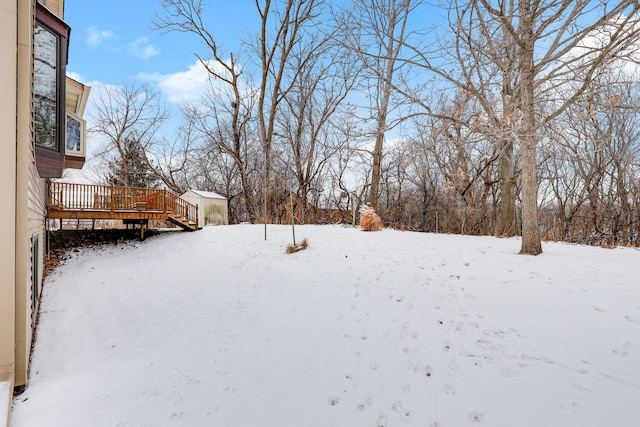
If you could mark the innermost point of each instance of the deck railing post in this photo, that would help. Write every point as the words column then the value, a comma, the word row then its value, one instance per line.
column 113, row 198
column 164, row 200
column 196, row 216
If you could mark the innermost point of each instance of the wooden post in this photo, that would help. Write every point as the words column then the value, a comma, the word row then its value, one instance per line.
column 142, row 232
column 164, row 200
column 353, row 209
column 113, row 200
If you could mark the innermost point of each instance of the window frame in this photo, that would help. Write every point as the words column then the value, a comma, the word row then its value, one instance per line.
column 50, row 161
column 82, row 126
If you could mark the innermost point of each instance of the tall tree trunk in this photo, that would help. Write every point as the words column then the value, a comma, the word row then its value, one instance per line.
column 531, row 244
column 507, row 224
column 376, row 171
column 388, row 21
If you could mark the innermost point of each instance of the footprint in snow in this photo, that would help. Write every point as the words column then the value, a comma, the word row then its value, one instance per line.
column 405, row 413
column 631, row 319
column 573, row 407
column 486, row 345
column 382, row 421
column 578, row 387
column 367, row 403
column 622, row 352
column 476, row 417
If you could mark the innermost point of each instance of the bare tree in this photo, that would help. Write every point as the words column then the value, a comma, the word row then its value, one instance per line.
column 377, row 31
column 282, row 26
column 553, row 43
column 175, row 158
column 597, row 140
column 226, row 111
column 561, row 24
column 126, row 114
column 324, row 75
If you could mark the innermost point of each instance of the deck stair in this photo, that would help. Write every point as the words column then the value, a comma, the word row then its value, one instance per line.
column 83, row 201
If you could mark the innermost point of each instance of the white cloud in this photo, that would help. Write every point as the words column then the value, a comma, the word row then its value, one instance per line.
column 182, row 86
column 191, row 85
column 142, row 48
column 95, row 37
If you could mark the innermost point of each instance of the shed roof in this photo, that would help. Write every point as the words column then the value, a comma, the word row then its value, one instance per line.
column 207, row 194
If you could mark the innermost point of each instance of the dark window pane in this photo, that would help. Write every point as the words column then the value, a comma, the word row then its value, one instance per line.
column 45, row 86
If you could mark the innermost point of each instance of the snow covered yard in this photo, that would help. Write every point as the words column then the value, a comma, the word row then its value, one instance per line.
column 220, row 328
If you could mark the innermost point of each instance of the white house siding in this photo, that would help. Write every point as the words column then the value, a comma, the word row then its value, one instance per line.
column 8, row 94
column 30, row 222
column 30, row 197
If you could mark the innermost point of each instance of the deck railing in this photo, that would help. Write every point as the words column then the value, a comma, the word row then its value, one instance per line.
column 65, row 196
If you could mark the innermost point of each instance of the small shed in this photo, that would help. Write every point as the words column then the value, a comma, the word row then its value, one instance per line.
column 212, row 207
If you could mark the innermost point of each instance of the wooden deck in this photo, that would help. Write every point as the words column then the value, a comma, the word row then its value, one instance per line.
column 82, row 201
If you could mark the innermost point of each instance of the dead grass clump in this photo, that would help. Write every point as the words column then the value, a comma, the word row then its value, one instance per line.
column 369, row 220
column 298, row 247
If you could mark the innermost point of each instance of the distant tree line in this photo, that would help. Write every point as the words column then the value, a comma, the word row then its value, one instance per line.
column 508, row 117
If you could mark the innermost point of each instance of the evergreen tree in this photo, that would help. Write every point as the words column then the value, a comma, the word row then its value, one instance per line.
column 133, row 169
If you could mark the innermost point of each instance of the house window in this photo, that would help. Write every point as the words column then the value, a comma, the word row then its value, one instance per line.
column 51, row 37
column 45, row 87
column 75, row 135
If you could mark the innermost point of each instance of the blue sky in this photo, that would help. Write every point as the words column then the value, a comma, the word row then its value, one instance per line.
column 113, row 41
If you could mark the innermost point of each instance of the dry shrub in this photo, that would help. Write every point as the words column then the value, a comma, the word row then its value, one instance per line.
column 296, row 248
column 369, row 220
